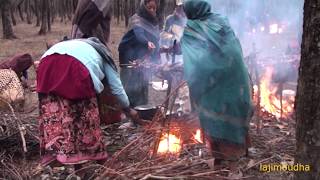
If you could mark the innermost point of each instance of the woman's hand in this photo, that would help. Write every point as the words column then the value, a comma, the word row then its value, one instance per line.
column 133, row 114
column 151, row 45
column 136, row 119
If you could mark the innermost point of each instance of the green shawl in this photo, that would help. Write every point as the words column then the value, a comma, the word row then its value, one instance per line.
column 216, row 74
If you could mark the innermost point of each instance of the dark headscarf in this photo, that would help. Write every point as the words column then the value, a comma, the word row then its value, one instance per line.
column 92, row 18
column 19, row 64
column 197, row 9
column 142, row 12
column 145, row 20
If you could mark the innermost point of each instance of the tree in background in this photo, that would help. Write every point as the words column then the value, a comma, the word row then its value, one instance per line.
column 308, row 94
column 45, row 17
column 28, row 11
column 6, row 23
column 44, row 12
column 41, row 12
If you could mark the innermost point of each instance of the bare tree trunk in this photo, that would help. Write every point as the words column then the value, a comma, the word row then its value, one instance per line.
column 74, row 5
column 126, row 13
column 63, row 10
column 49, row 16
column 28, row 11
column 137, row 5
column 132, row 7
column 6, row 23
column 308, row 95
column 20, row 11
column 37, row 7
column 32, row 8
column 14, row 22
column 69, row 9
column 122, row 10
column 118, row 11
column 44, row 17
column 53, row 9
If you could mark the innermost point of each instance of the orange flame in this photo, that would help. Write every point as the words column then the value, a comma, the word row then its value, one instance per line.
column 169, row 144
column 268, row 99
column 197, row 136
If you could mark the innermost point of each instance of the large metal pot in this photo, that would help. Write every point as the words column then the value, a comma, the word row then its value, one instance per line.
column 146, row 112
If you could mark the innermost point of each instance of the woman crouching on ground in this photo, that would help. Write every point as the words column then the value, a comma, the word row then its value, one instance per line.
column 68, row 79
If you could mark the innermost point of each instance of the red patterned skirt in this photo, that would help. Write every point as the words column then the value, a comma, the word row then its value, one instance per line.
column 70, row 130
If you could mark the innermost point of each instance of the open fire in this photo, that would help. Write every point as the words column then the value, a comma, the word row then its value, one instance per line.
column 280, row 105
column 198, row 136
column 170, row 143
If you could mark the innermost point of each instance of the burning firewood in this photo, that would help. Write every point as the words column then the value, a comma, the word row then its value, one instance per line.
column 271, row 97
column 171, row 147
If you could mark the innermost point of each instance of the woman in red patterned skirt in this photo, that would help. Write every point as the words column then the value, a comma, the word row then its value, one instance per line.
column 68, row 78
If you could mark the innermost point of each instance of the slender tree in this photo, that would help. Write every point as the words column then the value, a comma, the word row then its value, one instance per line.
column 28, row 11
column 126, row 12
column 44, row 4
column 14, row 22
column 49, row 16
column 308, row 94
column 19, row 6
column 37, row 12
column 6, row 23
column 117, row 10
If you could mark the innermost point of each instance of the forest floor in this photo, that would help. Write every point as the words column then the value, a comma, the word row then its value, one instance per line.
column 274, row 144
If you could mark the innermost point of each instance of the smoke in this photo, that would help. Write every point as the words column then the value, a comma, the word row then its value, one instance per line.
column 267, row 26
column 269, row 30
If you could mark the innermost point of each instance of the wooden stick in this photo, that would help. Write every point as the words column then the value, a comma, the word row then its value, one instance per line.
column 160, row 168
column 125, row 148
column 150, row 176
column 21, row 128
column 209, row 173
column 259, row 162
column 13, row 171
column 157, row 141
column 237, row 178
column 139, row 164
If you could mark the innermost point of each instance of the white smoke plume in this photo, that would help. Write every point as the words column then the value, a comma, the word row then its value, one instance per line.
column 270, row 25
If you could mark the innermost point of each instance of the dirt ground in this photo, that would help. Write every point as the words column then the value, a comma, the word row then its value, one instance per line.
column 275, row 143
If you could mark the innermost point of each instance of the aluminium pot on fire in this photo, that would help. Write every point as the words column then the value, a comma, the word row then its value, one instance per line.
column 146, row 112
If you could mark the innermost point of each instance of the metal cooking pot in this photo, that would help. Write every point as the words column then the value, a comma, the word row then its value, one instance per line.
column 146, row 112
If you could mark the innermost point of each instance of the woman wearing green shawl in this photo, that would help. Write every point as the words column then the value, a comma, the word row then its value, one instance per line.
column 218, row 80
